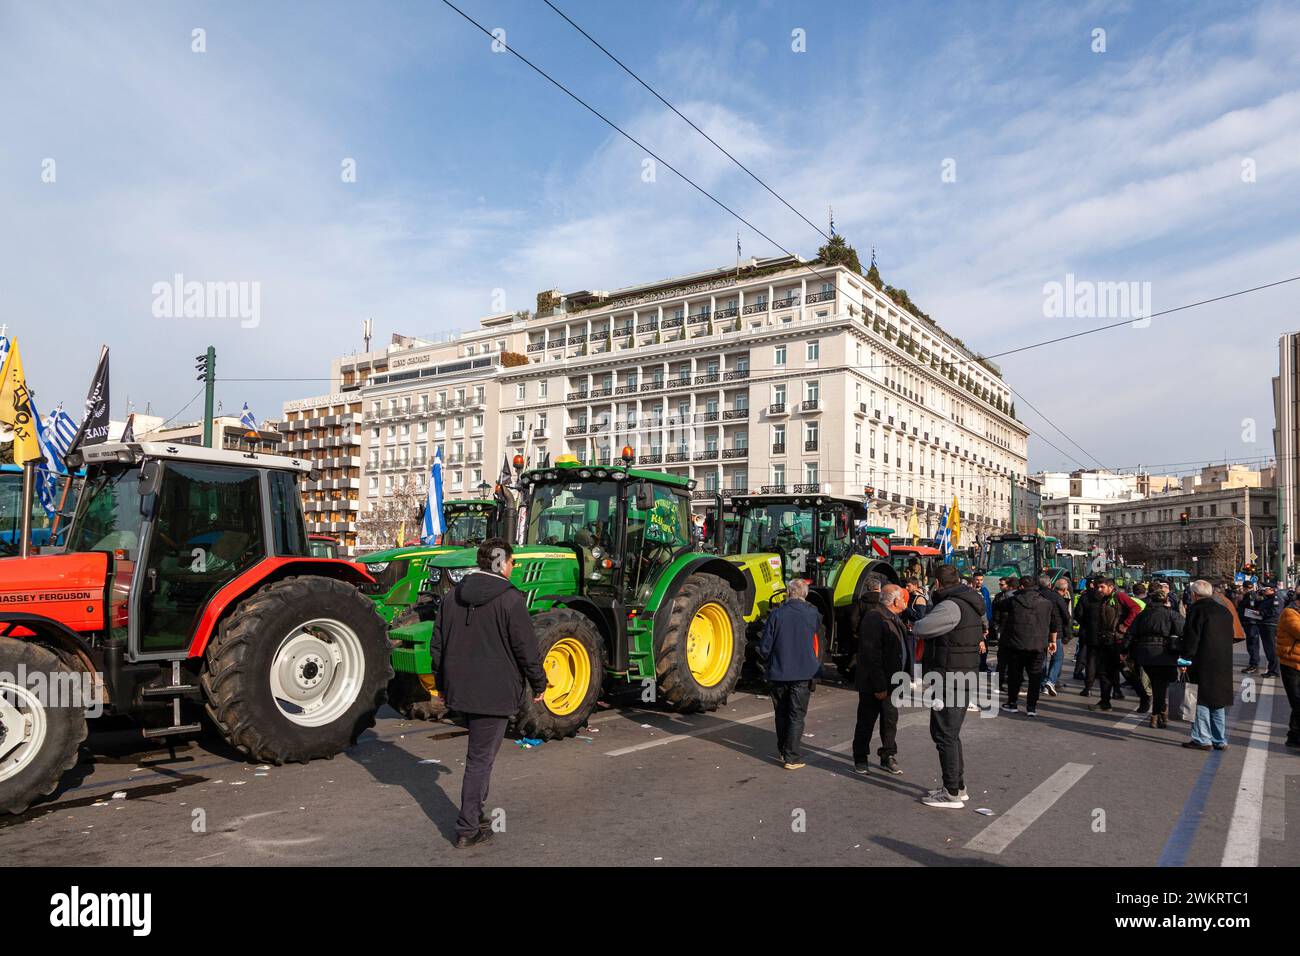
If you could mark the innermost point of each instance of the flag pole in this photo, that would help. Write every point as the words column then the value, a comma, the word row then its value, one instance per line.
column 29, row 491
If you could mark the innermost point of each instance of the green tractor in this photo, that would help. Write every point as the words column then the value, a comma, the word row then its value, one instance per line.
column 813, row 536
column 617, row 592
column 403, row 579
column 1023, row 555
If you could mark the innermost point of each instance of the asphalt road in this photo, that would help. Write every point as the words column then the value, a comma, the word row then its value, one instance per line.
column 647, row 788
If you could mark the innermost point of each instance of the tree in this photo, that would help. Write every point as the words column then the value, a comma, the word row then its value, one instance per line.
column 398, row 513
column 837, row 251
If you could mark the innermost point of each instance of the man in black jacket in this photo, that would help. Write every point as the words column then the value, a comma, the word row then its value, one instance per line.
column 483, row 651
column 1029, row 627
column 790, row 650
column 882, row 650
column 953, row 631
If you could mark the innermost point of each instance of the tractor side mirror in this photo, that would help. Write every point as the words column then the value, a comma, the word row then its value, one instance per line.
column 645, row 497
column 150, row 481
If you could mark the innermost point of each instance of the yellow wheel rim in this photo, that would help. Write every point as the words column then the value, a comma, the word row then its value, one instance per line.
column 709, row 644
column 568, row 676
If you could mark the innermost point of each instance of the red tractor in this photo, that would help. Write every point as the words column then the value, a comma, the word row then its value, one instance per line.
column 186, row 586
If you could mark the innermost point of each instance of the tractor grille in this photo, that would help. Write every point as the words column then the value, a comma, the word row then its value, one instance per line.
column 388, row 578
column 532, row 572
column 766, row 570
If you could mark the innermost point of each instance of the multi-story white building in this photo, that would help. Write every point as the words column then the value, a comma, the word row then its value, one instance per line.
column 773, row 376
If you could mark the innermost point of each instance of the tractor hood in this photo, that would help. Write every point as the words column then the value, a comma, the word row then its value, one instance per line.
column 410, row 551
column 468, row 557
column 68, row 588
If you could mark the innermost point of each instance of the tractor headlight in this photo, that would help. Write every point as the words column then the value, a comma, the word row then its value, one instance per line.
column 377, row 567
column 435, row 575
column 597, row 553
column 457, row 574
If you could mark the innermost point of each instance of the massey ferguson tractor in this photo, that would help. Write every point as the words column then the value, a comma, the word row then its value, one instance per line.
column 617, row 591
column 186, row 586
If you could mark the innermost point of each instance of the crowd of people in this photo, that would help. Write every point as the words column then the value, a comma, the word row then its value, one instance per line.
column 1152, row 639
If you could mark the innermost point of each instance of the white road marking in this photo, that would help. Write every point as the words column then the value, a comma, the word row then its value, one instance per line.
column 1242, row 846
column 999, row 834
column 698, row 731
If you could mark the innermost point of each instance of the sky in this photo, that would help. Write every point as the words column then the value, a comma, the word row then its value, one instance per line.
column 984, row 151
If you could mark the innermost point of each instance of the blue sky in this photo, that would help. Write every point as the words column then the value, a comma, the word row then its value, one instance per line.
column 474, row 174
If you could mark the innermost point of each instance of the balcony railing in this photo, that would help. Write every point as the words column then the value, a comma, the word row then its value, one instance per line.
column 810, row 445
column 601, row 392
column 778, row 449
column 699, row 318
column 576, row 430
column 706, row 454
column 726, row 313
column 536, row 346
column 706, row 416
column 629, row 389
column 827, row 296
column 755, row 308
column 708, row 378
column 677, row 456
column 776, row 408
column 651, row 459
column 808, row 488
column 673, row 323
column 731, row 414
column 772, row 489
column 556, row 343
column 810, row 405
column 579, row 339
column 735, row 452
column 516, row 436
column 679, row 382
column 652, row 386
column 578, row 395
column 702, row 494
column 789, row 302
column 736, row 375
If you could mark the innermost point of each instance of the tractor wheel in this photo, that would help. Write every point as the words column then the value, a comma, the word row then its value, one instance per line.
column 298, row 670
column 415, row 698
column 573, row 656
column 699, row 655
column 38, row 741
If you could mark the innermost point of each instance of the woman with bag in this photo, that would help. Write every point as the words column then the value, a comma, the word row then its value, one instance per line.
column 1152, row 643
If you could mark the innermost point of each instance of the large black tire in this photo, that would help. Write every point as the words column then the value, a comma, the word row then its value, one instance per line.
column 409, row 697
column 678, row 687
column 26, row 776
column 582, row 640
column 237, row 675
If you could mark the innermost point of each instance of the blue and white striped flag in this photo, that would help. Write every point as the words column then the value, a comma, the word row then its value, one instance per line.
column 55, row 438
column 248, row 419
column 4, row 350
column 941, row 538
column 433, row 521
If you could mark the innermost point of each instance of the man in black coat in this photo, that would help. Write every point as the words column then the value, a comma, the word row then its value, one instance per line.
column 1152, row 643
column 953, row 631
column 790, row 650
column 483, row 651
column 882, row 651
column 1206, row 652
column 1029, row 627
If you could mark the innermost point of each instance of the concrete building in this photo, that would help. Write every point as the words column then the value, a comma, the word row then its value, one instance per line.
column 227, row 432
column 1225, row 528
column 1286, row 443
column 765, row 378
column 326, row 431
column 1072, row 503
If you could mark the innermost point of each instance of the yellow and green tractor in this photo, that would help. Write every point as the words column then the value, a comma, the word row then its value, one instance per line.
column 618, row 594
column 814, row 536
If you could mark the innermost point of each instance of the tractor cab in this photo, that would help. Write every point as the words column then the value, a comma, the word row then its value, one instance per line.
column 1022, row 555
column 187, row 585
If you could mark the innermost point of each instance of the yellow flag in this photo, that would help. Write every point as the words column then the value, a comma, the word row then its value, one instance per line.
column 913, row 527
column 16, row 408
column 954, row 522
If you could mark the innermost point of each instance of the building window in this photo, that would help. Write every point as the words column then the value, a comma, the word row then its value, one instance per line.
column 778, row 357
column 521, row 392
column 814, row 350
column 541, row 389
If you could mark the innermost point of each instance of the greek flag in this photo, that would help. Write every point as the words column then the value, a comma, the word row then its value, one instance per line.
column 433, row 523
column 248, row 419
column 55, row 440
column 4, row 350
column 942, row 537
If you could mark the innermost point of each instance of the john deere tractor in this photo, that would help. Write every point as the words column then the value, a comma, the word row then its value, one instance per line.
column 402, row 576
column 185, row 587
column 617, row 592
column 813, row 536
column 1023, row 555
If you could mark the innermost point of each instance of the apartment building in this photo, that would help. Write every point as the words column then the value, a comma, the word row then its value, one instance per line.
column 776, row 376
column 326, row 430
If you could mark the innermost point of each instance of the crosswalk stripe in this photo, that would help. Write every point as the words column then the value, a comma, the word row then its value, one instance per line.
column 1242, row 846
column 999, row 834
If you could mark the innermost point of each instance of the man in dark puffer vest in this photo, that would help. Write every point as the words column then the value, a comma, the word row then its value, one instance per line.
column 953, row 631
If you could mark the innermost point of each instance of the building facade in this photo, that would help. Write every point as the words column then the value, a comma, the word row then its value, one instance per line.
column 1286, row 444
column 770, row 377
column 326, row 430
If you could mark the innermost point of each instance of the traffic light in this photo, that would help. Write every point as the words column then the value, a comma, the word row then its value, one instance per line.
column 1185, row 517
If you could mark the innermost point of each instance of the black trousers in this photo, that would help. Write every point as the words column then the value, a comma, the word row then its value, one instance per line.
column 1017, row 663
column 485, row 736
column 945, row 731
column 1162, row 675
column 869, row 709
column 1103, row 662
column 1291, row 683
column 790, row 699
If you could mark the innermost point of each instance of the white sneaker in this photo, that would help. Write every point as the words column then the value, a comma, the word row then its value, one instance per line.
column 942, row 798
column 963, row 795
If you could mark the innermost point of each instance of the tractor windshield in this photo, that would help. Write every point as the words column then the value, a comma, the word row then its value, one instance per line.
column 784, row 528
column 466, row 527
column 108, row 518
column 1014, row 553
column 573, row 513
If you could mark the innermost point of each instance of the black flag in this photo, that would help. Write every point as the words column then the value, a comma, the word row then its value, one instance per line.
column 128, row 433
column 94, row 427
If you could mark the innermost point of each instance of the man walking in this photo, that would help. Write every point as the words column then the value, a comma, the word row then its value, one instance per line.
column 1060, row 596
column 953, row 631
column 1105, row 621
column 483, row 651
column 1029, row 628
column 882, row 649
column 977, row 582
column 791, row 652
column 1206, row 652
column 1270, row 611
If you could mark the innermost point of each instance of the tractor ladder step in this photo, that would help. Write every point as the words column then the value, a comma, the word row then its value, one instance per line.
column 171, row 690
column 168, row 731
column 175, row 690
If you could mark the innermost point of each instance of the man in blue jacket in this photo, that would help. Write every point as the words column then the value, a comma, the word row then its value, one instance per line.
column 791, row 653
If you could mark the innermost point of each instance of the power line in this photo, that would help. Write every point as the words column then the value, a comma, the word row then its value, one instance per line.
column 655, row 93
column 181, row 410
